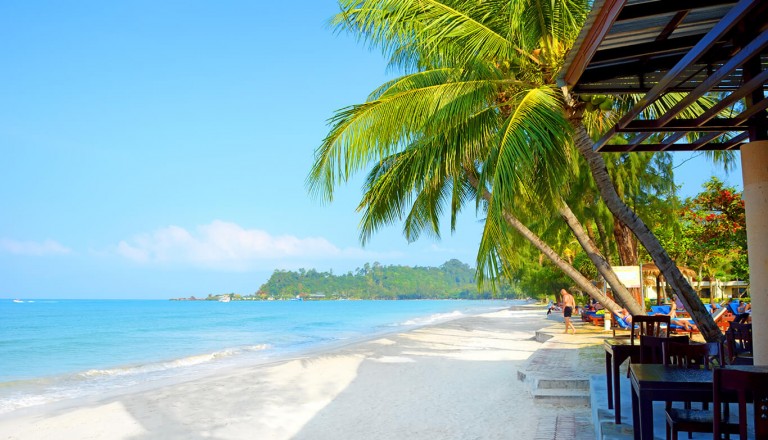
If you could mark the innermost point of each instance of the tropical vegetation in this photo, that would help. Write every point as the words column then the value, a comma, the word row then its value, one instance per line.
column 478, row 119
column 451, row 280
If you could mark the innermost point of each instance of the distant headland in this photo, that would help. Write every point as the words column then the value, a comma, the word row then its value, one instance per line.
column 451, row 280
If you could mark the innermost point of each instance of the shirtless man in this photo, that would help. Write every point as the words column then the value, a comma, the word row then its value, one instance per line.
column 569, row 304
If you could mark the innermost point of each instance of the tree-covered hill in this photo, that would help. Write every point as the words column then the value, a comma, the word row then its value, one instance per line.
column 452, row 279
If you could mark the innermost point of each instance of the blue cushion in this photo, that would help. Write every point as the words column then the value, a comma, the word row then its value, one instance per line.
column 620, row 322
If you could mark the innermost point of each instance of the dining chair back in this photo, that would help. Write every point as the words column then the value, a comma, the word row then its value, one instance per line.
column 707, row 355
column 738, row 341
column 746, row 386
column 656, row 325
column 652, row 347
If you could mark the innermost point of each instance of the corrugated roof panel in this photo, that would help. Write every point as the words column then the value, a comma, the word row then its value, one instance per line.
column 631, row 46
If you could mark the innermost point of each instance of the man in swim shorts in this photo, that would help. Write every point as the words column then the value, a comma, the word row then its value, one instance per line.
column 569, row 304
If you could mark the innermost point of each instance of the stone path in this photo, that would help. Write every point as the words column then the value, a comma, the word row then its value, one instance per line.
column 558, row 377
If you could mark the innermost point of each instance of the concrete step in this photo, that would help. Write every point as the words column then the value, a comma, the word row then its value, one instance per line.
column 560, row 396
column 571, row 384
column 543, row 337
column 610, row 431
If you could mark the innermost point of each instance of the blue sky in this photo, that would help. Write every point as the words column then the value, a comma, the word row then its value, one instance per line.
column 160, row 149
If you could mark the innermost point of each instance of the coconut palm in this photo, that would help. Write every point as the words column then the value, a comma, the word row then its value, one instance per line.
column 483, row 78
column 467, row 90
column 417, row 183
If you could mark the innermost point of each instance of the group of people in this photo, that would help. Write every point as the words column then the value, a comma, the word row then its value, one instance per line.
column 686, row 324
column 569, row 307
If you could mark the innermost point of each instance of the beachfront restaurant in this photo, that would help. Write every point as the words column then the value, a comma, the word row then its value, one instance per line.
column 651, row 48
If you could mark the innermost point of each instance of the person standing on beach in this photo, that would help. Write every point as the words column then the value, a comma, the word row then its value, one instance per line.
column 569, row 304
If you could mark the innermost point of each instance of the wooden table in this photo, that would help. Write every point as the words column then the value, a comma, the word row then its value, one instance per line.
column 616, row 352
column 656, row 382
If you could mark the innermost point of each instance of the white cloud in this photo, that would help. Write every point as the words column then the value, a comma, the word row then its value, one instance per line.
column 225, row 245
column 440, row 249
column 33, row 248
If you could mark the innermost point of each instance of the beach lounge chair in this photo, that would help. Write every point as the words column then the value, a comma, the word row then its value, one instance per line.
column 733, row 308
column 720, row 316
column 664, row 310
column 593, row 317
column 677, row 329
column 618, row 324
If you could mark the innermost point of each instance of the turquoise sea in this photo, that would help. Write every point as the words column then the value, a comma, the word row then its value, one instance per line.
column 61, row 349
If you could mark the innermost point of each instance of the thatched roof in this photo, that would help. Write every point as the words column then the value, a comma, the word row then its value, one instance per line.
column 651, row 270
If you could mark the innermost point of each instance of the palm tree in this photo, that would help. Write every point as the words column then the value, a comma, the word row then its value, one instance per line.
column 416, row 184
column 484, row 79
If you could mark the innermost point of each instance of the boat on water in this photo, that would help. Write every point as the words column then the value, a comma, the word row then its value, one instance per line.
column 225, row 299
column 18, row 301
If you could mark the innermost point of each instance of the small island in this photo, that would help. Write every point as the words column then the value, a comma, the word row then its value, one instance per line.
column 451, row 280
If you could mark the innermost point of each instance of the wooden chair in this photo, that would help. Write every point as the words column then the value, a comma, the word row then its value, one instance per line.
column 645, row 325
column 652, row 348
column 747, row 386
column 738, row 342
column 708, row 356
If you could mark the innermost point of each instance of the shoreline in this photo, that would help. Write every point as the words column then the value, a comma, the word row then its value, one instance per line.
column 115, row 345
column 436, row 380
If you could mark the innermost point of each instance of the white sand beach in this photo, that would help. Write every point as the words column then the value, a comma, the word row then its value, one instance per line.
column 455, row 380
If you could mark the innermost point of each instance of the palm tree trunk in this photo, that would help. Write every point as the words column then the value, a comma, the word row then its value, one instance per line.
column 621, row 291
column 603, row 238
column 581, row 281
column 675, row 279
column 625, row 244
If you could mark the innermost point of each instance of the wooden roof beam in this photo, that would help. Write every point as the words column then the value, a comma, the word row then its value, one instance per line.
column 704, row 143
column 603, row 21
column 649, row 9
column 718, row 124
column 733, row 16
column 752, row 85
column 753, row 48
column 713, row 111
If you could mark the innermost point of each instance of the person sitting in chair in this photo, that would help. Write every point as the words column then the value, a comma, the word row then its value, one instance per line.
column 673, row 319
column 743, row 311
column 625, row 317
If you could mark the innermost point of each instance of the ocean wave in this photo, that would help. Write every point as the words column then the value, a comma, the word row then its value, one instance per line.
column 173, row 364
column 432, row 319
column 31, row 392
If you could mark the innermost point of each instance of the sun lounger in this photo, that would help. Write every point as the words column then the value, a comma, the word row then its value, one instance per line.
column 593, row 317
column 618, row 324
